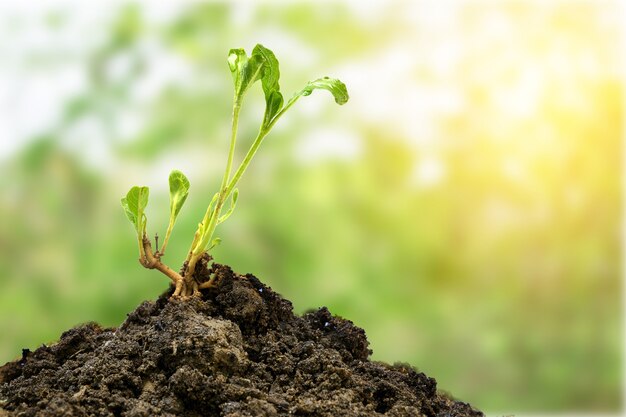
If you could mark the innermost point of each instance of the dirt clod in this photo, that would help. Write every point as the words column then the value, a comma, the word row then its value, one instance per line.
column 237, row 351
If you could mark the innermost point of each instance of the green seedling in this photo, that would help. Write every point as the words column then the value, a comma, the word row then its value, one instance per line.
column 246, row 70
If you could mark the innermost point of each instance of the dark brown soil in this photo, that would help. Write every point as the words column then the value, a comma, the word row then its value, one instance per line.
column 240, row 351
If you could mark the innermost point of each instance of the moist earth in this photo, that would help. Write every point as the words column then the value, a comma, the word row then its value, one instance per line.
column 239, row 350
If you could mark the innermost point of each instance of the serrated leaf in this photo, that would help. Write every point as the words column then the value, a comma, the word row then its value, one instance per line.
column 179, row 190
column 336, row 87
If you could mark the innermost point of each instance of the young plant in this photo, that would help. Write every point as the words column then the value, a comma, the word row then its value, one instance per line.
column 246, row 70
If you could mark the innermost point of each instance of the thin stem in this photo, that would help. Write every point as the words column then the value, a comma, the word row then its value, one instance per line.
column 233, row 140
column 142, row 253
column 170, row 226
column 228, row 184
column 141, row 236
column 290, row 103
column 196, row 236
column 201, row 246
column 246, row 161
column 198, row 246
column 255, row 145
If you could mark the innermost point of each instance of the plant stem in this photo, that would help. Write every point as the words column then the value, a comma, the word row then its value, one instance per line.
column 246, row 161
column 200, row 247
column 233, row 140
column 151, row 261
column 200, row 242
column 290, row 103
column 170, row 226
column 142, row 253
column 263, row 131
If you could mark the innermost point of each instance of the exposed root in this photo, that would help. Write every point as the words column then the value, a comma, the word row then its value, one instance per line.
column 207, row 284
column 153, row 261
column 186, row 284
column 185, row 289
column 201, row 277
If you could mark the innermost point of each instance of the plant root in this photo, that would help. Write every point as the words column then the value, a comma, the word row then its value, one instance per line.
column 207, row 284
column 186, row 283
column 186, row 290
column 199, row 279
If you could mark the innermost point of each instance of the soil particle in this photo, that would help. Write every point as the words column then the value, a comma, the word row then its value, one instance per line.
column 238, row 351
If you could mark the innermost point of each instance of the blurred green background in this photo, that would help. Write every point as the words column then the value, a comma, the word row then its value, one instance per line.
column 464, row 207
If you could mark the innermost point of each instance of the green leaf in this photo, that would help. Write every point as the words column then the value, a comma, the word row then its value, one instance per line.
column 273, row 105
column 245, row 71
column 233, row 203
column 271, row 72
column 134, row 205
column 131, row 216
column 179, row 190
column 203, row 227
column 270, row 81
column 336, row 87
column 209, row 214
column 237, row 58
column 214, row 243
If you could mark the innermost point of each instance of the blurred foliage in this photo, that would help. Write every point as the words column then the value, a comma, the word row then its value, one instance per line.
column 473, row 234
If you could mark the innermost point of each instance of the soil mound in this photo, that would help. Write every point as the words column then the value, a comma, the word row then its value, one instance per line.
column 238, row 351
